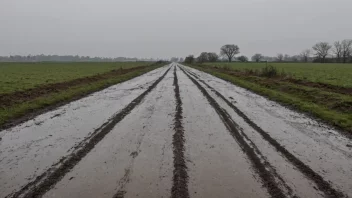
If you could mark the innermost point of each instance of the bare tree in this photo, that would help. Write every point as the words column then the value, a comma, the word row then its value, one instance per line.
column 287, row 57
column 305, row 55
column 203, row 57
column 280, row 57
column 295, row 58
column 212, row 57
column 322, row 50
column 243, row 59
column 230, row 51
column 346, row 49
column 257, row 57
column 338, row 50
column 189, row 59
column 174, row 59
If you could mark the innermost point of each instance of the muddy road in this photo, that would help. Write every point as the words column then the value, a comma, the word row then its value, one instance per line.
column 174, row 132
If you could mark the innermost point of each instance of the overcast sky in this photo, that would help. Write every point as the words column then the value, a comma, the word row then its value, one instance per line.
column 165, row 28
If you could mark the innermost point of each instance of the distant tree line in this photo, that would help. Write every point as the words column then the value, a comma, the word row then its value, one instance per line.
column 176, row 59
column 339, row 52
column 68, row 58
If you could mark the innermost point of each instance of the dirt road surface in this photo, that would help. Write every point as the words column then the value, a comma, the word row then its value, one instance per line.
column 174, row 132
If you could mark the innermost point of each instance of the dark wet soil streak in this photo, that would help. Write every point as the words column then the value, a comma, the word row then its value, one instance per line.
column 265, row 175
column 180, row 176
column 48, row 179
column 323, row 185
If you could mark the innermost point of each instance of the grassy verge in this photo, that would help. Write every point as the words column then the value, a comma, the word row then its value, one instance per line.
column 16, row 77
column 20, row 110
column 333, row 108
column 327, row 73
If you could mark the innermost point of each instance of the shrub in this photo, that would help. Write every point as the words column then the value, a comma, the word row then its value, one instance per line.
column 269, row 71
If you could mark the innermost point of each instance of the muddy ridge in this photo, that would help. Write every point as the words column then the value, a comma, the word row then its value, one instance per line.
column 180, row 176
column 323, row 185
column 265, row 175
column 48, row 179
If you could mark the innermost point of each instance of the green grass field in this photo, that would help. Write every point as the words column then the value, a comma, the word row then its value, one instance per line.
column 16, row 77
column 22, row 76
column 330, row 73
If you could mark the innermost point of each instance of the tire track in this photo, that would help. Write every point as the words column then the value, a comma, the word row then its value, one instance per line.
column 48, row 179
column 266, row 176
column 180, row 175
column 323, row 185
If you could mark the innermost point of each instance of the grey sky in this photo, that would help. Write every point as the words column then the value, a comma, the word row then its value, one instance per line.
column 164, row 28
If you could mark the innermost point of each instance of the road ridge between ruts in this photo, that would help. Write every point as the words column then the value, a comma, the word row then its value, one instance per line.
column 323, row 185
column 49, row 178
column 265, row 175
column 180, row 175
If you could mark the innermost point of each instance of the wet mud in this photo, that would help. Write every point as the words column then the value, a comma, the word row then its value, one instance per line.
column 174, row 132
column 306, row 170
column 180, row 178
column 266, row 177
column 47, row 179
column 217, row 167
column 316, row 150
column 135, row 159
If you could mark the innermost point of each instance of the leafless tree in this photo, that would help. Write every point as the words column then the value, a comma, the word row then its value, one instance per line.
column 174, row 59
column 189, row 59
column 346, row 49
column 280, row 57
column 305, row 55
column 230, row 51
column 203, row 57
column 295, row 58
column 287, row 57
column 243, row 59
column 322, row 50
column 338, row 50
column 257, row 57
column 212, row 57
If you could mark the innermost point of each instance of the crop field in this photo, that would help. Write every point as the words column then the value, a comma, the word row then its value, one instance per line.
column 29, row 87
column 329, row 73
column 22, row 76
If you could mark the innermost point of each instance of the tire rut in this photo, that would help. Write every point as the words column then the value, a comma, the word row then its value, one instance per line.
column 49, row 178
column 180, row 175
column 323, row 185
column 265, row 175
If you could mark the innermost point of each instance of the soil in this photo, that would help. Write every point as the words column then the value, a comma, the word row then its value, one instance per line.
column 174, row 132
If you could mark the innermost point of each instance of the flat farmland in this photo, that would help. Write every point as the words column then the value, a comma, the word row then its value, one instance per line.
column 329, row 73
column 176, row 132
column 21, row 76
column 28, row 88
